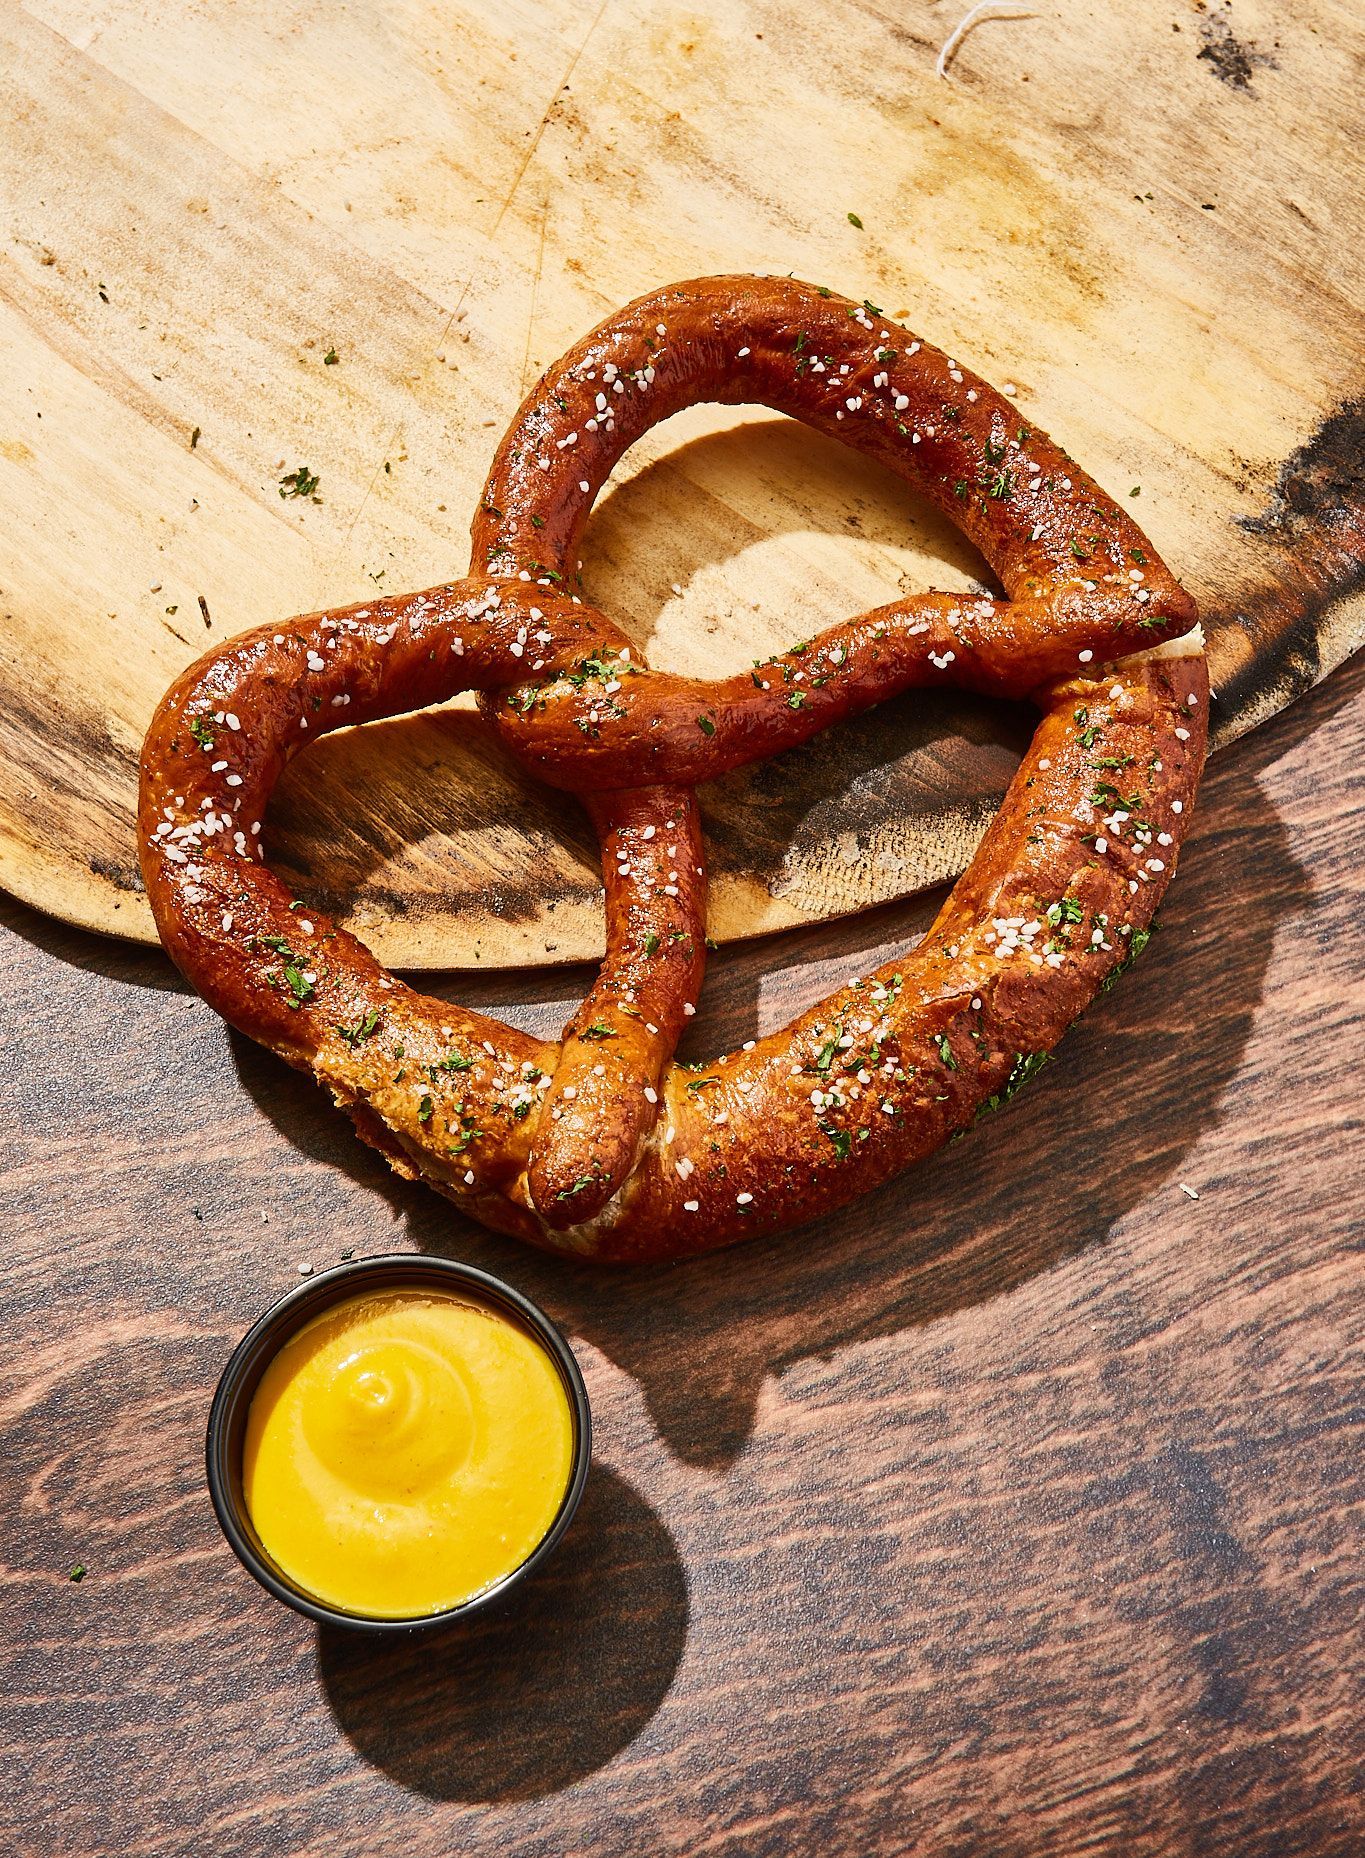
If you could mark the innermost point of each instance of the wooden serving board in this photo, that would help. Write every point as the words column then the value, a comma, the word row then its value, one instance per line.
column 1147, row 219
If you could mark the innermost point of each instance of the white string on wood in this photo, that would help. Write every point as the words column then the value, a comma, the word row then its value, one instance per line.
column 984, row 9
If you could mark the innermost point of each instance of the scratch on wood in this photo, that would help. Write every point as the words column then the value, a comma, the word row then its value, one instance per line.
column 395, row 438
column 535, row 290
column 450, row 321
column 543, row 124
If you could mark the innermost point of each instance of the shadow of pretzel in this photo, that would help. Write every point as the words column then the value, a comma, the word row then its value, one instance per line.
column 1136, row 1083
column 536, row 1695
column 550, row 1688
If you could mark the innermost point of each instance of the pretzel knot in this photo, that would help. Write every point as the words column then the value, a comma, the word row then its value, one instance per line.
column 600, row 1145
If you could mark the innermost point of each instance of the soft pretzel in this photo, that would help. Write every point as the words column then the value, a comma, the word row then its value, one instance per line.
column 600, row 1145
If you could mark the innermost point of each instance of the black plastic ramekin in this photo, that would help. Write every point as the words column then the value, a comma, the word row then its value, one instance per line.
column 263, row 1341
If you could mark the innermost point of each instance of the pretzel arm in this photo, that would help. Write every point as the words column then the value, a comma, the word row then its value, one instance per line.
column 1085, row 585
column 604, row 1095
column 1038, row 519
column 421, row 1078
column 609, row 729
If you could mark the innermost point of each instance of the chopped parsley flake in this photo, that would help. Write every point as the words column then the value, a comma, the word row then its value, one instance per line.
column 469, row 1135
column 1026, row 1066
column 299, row 984
column 356, row 1035
column 840, row 1138
column 300, row 483
column 1137, row 942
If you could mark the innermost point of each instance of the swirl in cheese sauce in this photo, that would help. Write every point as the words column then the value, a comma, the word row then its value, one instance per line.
column 406, row 1450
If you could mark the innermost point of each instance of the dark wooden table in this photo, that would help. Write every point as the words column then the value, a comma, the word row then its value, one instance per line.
column 1016, row 1512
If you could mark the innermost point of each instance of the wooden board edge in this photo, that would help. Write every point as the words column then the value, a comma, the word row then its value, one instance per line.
column 741, row 910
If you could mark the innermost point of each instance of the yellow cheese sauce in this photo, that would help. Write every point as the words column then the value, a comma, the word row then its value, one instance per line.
column 404, row 1451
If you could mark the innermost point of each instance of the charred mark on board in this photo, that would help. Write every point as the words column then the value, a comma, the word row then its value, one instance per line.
column 1321, row 487
column 1315, row 517
column 1233, row 62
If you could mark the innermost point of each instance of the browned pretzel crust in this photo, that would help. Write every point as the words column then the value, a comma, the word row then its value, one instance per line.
column 600, row 1145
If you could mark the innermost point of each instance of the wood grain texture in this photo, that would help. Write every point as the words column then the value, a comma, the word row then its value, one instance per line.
column 1140, row 218
column 1016, row 1512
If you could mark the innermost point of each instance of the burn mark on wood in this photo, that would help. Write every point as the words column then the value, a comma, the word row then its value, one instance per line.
column 123, row 873
column 1321, row 486
column 1315, row 523
column 1232, row 61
